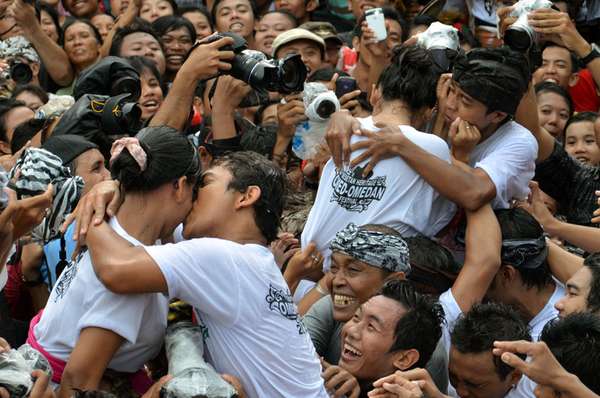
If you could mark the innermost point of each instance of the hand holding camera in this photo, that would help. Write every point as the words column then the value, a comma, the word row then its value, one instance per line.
column 207, row 60
column 24, row 15
column 558, row 27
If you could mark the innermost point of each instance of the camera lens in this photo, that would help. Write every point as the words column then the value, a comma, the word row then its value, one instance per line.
column 21, row 73
column 292, row 73
column 518, row 39
column 325, row 109
column 126, row 85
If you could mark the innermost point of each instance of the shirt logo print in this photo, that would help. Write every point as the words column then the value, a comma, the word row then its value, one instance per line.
column 354, row 192
column 281, row 301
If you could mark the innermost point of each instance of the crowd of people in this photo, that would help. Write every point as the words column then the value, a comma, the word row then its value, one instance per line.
column 339, row 208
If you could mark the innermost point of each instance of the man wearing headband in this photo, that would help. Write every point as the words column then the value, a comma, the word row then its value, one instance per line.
column 363, row 259
column 486, row 87
column 524, row 280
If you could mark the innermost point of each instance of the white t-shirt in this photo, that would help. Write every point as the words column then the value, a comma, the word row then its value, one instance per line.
column 251, row 326
column 394, row 195
column 508, row 157
column 79, row 300
column 452, row 311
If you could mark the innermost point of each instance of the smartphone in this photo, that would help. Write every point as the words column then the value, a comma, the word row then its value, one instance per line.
column 376, row 22
column 344, row 85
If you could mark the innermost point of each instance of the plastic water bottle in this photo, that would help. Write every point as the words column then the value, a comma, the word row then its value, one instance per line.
column 298, row 142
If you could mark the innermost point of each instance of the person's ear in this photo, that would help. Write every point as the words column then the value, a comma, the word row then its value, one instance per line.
column 515, row 377
column 180, row 192
column 35, row 69
column 311, row 5
column 400, row 276
column 574, row 79
column 497, row 116
column 248, row 198
column 5, row 148
column 406, row 359
column 508, row 273
column 205, row 158
column 375, row 96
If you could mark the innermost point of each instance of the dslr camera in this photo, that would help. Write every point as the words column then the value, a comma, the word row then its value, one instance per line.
column 285, row 75
column 520, row 36
column 442, row 42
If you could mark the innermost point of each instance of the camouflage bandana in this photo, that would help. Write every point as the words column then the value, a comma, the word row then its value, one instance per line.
column 380, row 250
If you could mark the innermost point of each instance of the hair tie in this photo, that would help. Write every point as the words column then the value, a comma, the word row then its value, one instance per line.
column 135, row 150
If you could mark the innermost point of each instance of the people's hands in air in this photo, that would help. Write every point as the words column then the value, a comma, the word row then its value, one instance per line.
column 284, row 248
column 464, row 137
column 24, row 15
column 207, row 60
column 350, row 102
column 29, row 212
column 378, row 146
column 289, row 113
column 371, row 49
column 236, row 383
column 396, row 386
column 229, row 93
column 303, row 264
column 104, row 199
column 536, row 207
column 339, row 381
column 541, row 366
column 339, row 131
column 418, row 377
column 558, row 27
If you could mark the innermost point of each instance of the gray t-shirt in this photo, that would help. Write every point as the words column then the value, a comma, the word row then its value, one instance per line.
column 326, row 335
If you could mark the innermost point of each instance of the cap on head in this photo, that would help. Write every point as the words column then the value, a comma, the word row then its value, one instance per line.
column 67, row 147
column 324, row 30
column 294, row 35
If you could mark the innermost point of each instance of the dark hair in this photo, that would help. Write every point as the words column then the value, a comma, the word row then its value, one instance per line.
column 519, row 224
column 549, row 87
column 434, row 269
column 249, row 168
column 575, row 342
column 593, row 300
column 26, row 131
column 425, row 20
column 5, row 107
column 388, row 13
column 325, row 74
column 141, row 64
column 33, row 89
column 420, row 328
column 169, row 156
column 200, row 9
column 258, row 115
column 581, row 117
column 286, row 13
column 169, row 23
column 410, row 77
column 476, row 331
column 575, row 63
column 44, row 7
column 138, row 26
column 213, row 10
column 72, row 21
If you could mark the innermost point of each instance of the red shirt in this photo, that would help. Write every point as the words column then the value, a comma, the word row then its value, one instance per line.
column 584, row 93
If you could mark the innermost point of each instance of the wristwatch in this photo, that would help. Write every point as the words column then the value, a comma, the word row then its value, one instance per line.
column 595, row 53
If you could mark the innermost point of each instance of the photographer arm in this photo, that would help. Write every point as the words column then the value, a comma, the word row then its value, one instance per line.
column 53, row 57
column 229, row 93
column 527, row 116
column 204, row 62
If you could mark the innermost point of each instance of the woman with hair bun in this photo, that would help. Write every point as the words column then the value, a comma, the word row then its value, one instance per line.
column 86, row 332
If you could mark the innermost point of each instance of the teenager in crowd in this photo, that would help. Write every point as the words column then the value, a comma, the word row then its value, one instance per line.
column 200, row 18
column 236, row 16
column 104, row 23
column 580, row 138
column 152, row 95
column 269, row 26
column 554, row 108
column 157, row 172
column 139, row 39
column 177, row 36
column 151, row 10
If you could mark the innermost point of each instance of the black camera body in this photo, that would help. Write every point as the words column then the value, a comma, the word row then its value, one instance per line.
column 285, row 76
column 19, row 72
